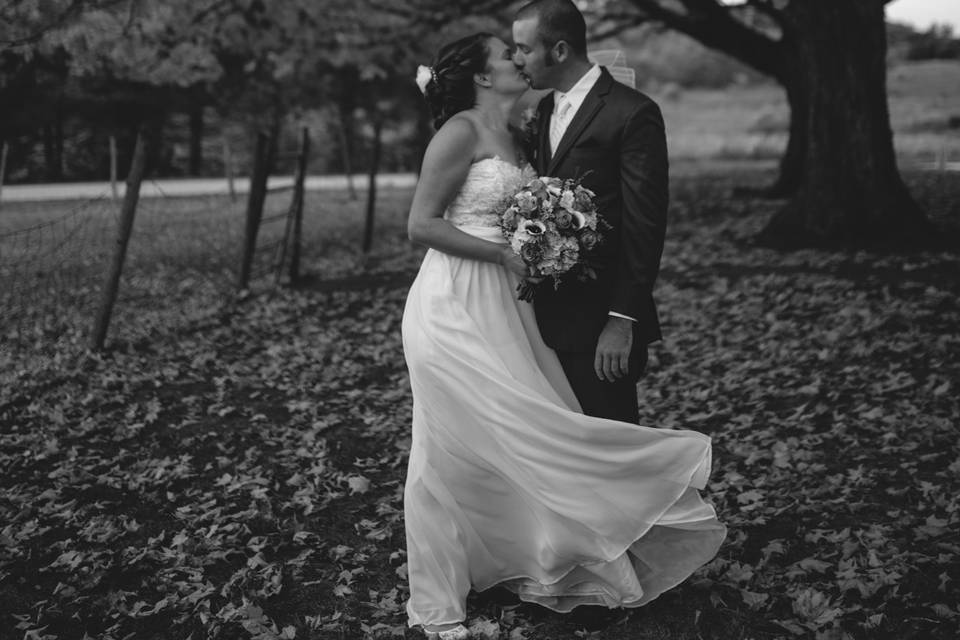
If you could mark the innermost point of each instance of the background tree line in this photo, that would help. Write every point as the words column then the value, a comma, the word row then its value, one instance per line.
column 198, row 76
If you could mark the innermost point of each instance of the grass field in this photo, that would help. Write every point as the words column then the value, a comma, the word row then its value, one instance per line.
column 751, row 122
column 182, row 261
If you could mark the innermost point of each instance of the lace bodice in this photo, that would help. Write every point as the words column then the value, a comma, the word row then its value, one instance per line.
column 488, row 182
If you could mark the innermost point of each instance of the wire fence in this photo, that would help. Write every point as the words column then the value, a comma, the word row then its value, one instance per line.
column 48, row 272
column 183, row 262
column 181, row 267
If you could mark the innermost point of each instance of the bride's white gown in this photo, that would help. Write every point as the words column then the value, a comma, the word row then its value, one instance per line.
column 508, row 482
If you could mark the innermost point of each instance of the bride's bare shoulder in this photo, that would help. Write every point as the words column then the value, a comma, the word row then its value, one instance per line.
column 455, row 142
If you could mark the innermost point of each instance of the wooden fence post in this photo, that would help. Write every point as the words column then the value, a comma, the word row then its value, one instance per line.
column 3, row 166
column 255, row 201
column 228, row 168
column 372, row 189
column 124, row 228
column 113, row 167
column 298, row 198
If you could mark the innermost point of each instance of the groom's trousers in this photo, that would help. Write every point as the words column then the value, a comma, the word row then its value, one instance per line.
column 614, row 400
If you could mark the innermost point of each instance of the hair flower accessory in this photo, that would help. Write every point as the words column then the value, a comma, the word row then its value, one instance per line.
column 424, row 76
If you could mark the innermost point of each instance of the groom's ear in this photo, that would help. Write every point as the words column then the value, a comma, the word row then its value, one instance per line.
column 561, row 51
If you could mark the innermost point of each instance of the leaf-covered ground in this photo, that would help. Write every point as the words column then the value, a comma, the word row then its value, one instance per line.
column 244, row 478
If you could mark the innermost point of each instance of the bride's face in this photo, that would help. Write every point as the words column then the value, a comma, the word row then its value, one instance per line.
column 505, row 77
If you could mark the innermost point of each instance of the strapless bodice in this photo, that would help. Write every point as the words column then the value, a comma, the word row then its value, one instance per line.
column 489, row 182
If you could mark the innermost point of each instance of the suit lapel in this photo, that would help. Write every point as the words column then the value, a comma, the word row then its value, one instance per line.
column 543, row 134
column 585, row 114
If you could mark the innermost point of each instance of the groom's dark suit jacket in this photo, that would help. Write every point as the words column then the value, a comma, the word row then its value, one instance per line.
column 617, row 136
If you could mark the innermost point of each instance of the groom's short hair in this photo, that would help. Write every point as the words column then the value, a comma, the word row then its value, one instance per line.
column 558, row 20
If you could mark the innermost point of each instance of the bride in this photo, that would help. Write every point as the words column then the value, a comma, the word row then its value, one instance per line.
column 509, row 483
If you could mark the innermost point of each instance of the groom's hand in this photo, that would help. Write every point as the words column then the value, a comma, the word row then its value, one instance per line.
column 612, row 360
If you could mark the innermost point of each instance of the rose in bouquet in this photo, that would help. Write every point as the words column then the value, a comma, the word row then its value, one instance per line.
column 552, row 224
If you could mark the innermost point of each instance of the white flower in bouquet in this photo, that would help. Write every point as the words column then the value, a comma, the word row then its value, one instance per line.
column 522, row 236
column 534, row 227
column 579, row 220
column 590, row 220
column 510, row 218
column 526, row 203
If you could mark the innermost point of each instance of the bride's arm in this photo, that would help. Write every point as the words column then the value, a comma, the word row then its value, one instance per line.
column 445, row 166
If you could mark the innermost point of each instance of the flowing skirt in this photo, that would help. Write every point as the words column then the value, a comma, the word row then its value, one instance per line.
column 510, row 483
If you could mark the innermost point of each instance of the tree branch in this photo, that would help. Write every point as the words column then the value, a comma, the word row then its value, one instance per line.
column 438, row 13
column 201, row 15
column 74, row 6
column 764, row 7
column 624, row 23
column 712, row 24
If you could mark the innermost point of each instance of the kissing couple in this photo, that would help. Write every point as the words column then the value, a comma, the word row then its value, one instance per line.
column 528, row 469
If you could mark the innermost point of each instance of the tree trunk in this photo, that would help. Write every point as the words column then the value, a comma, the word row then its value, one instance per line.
column 158, row 155
column 851, row 193
column 346, row 105
column 791, row 164
column 196, row 138
column 346, row 147
column 372, row 183
column 49, row 152
column 58, row 139
column 790, row 177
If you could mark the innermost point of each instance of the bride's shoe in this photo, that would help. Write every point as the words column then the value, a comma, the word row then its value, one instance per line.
column 458, row 632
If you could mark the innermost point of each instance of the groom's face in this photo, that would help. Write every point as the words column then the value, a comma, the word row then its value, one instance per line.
column 531, row 57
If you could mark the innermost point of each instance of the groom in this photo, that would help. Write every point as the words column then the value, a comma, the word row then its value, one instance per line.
column 590, row 126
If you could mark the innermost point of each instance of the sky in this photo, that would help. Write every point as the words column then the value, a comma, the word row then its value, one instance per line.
column 922, row 13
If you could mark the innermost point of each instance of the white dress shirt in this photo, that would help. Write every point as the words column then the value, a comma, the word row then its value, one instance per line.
column 565, row 107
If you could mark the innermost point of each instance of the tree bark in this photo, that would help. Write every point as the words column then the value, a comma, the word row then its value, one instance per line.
column 372, row 183
column 196, row 138
column 53, row 145
column 346, row 147
column 851, row 193
column 49, row 152
column 158, row 156
column 792, row 162
column 791, row 166
column 58, row 140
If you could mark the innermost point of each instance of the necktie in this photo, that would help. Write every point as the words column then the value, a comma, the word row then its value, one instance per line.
column 558, row 122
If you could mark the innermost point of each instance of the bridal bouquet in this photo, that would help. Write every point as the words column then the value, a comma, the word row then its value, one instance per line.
column 552, row 224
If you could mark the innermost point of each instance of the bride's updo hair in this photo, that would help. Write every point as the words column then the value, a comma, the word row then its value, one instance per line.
column 451, row 88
